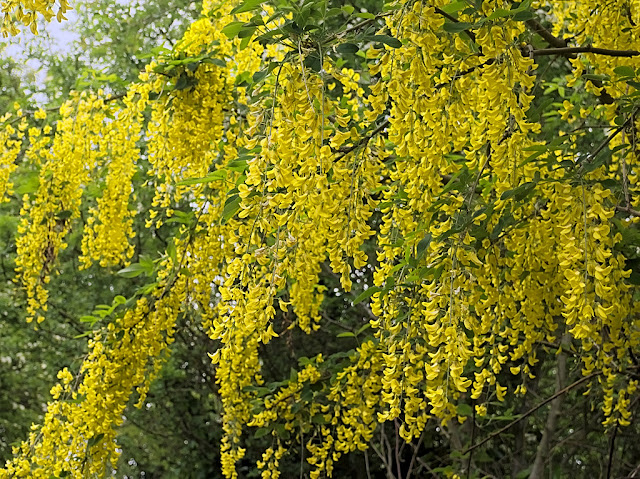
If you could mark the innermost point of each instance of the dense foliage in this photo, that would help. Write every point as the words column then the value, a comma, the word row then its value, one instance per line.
column 452, row 183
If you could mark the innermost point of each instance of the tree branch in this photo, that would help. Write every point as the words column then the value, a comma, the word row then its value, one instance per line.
column 572, row 51
column 537, row 469
column 536, row 27
column 531, row 411
column 628, row 210
column 556, row 42
column 611, row 450
column 344, row 151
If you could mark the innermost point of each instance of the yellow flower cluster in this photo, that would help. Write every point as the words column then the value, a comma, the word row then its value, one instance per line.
column 11, row 143
column 66, row 164
column 77, row 435
column 26, row 12
column 109, row 228
column 482, row 254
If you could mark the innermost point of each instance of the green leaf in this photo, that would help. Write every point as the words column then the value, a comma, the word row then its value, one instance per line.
column 624, row 71
column 319, row 419
column 94, row 440
column 348, row 9
column 454, row 7
column 172, row 252
column 231, row 207
column 247, row 6
column 218, row 175
column 282, row 431
column 458, row 180
column 306, row 395
column 500, row 13
column 592, row 76
column 119, row 299
column 505, row 220
column 259, row 76
column 332, row 12
column 347, row 48
column 313, row 62
column 523, row 16
column 232, row 29
column 422, row 246
column 239, row 165
column 185, row 81
column 181, row 217
column 520, row 192
column 247, row 31
column 386, row 39
column 133, row 270
column 464, row 410
column 263, row 431
column 63, row 215
column 346, row 334
column 366, row 294
column 456, row 27
column 363, row 328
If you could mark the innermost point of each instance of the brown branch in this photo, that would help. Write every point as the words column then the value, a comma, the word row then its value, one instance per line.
column 536, row 27
column 415, row 454
column 537, row 469
column 363, row 23
column 611, row 450
column 628, row 210
column 363, row 141
column 606, row 141
column 531, row 411
column 572, row 51
column 396, row 449
column 604, row 96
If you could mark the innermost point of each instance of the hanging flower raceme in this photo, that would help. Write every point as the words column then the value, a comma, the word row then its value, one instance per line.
column 426, row 172
column 27, row 13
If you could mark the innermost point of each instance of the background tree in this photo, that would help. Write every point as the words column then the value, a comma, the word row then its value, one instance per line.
column 451, row 186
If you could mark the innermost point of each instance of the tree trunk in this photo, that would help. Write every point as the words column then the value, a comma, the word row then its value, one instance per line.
column 537, row 469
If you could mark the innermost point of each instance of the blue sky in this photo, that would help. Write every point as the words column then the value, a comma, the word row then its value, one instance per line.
column 52, row 36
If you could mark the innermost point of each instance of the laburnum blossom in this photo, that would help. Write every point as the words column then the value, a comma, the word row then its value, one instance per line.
column 284, row 176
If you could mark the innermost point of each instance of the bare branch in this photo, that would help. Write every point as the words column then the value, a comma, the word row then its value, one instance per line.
column 628, row 210
column 536, row 27
column 572, row 51
column 531, row 411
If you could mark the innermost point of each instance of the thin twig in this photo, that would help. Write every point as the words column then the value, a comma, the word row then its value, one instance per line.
column 414, row 455
column 397, row 452
column 363, row 141
column 531, row 411
column 301, row 453
column 625, row 209
column 473, row 438
column 611, row 450
column 607, row 140
column 366, row 463
column 359, row 25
